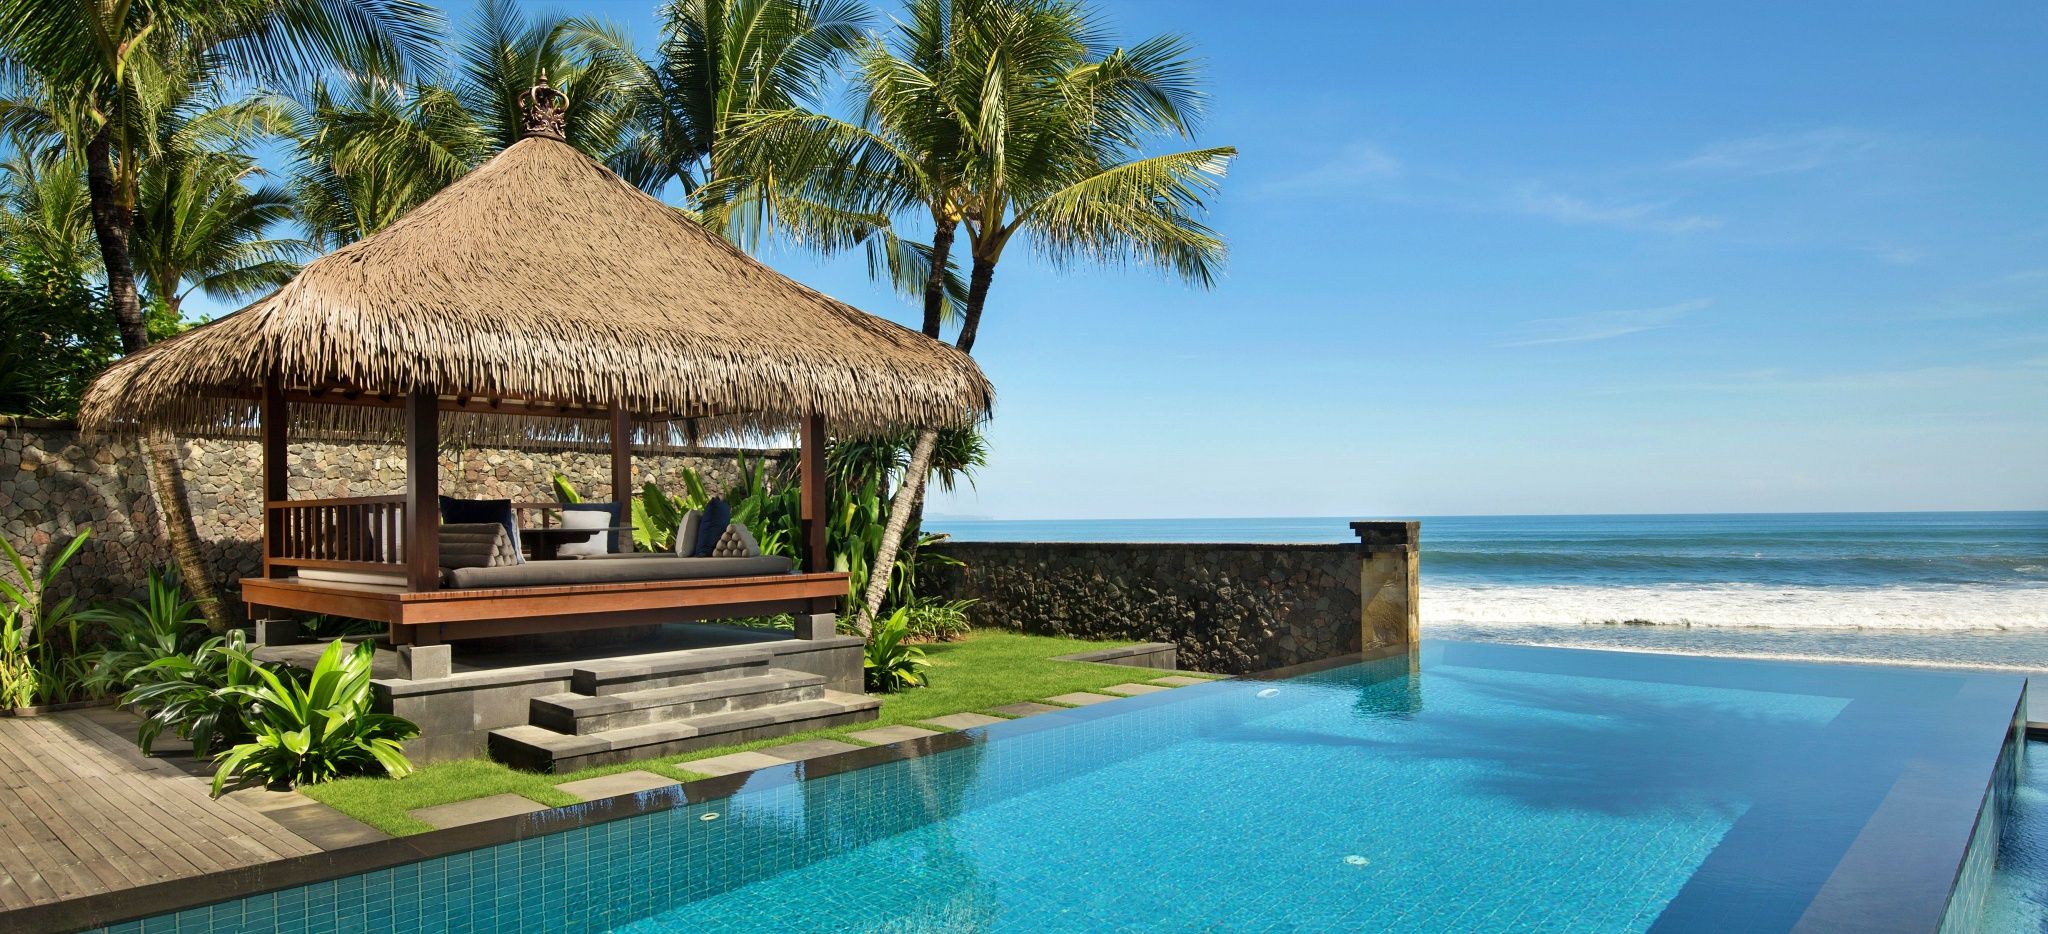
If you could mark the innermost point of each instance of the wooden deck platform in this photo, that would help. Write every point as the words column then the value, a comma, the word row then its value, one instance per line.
column 82, row 812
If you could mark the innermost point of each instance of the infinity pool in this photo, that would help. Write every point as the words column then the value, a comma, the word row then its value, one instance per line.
column 1463, row 787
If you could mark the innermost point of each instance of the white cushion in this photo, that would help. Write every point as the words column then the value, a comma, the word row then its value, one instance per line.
column 585, row 519
column 686, row 533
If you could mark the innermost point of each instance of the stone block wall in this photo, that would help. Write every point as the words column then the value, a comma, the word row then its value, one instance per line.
column 53, row 483
column 1227, row 608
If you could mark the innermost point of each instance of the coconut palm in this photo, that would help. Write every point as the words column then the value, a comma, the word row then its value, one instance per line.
column 104, row 68
column 200, row 225
column 45, row 221
column 1006, row 121
column 369, row 149
column 719, row 61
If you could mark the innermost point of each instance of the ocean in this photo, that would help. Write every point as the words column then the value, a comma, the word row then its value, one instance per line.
column 1932, row 588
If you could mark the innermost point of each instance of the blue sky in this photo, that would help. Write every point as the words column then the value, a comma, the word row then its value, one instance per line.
column 1559, row 257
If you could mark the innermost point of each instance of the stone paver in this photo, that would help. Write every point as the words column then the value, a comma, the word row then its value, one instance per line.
column 963, row 721
column 1180, row 681
column 622, row 783
column 1026, row 709
column 1081, row 699
column 882, row 736
column 443, row 816
column 730, row 763
column 1132, row 689
column 809, row 749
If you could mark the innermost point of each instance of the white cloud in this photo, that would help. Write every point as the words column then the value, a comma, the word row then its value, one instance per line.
column 1540, row 201
column 1357, row 165
column 1781, row 153
column 1603, row 325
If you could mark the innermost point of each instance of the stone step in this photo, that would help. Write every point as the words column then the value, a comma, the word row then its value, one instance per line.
column 540, row 749
column 668, row 669
column 584, row 713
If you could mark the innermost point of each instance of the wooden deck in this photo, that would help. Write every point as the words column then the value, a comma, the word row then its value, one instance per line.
column 82, row 813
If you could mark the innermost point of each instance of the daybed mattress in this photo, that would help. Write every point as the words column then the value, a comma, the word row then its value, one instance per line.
column 648, row 568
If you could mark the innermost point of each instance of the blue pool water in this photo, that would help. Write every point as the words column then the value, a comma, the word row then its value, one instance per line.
column 1465, row 787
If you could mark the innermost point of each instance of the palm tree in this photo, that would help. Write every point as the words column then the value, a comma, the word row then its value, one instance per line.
column 105, row 69
column 199, row 224
column 718, row 61
column 45, row 221
column 1006, row 121
column 371, row 149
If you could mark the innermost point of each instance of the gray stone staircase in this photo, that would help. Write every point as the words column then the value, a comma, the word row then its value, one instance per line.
column 657, row 705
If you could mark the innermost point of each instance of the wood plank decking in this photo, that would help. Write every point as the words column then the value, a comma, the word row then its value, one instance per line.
column 83, row 812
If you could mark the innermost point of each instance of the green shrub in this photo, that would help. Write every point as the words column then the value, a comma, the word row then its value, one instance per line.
column 162, row 624
column 937, row 620
column 891, row 663
column 317, row 727
column 188, row 694
column 43, row 660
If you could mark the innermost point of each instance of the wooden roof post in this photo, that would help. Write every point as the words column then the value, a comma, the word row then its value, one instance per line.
column 423, row 491
column 273, row 419
column 622, row 472
column 811, row 474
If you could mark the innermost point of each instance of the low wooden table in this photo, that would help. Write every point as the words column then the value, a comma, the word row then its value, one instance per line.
column 547, row 542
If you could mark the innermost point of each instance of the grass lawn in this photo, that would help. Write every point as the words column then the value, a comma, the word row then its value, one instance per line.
column 987, row 669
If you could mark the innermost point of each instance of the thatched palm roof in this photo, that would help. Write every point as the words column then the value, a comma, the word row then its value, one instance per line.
column 541, row 277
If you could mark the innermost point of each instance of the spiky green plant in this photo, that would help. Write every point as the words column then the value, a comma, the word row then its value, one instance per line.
column 42, row 659
column 891, row 663
column 316, row 727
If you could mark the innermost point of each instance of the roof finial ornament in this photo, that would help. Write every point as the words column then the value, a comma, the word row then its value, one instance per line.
column 544, row 108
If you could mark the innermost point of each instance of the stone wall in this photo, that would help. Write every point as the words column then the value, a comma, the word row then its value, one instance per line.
column 1227, row 608
column 53, row 484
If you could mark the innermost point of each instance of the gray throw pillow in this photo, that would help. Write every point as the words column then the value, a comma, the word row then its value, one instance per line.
column 686, row 533
column 476, row 545
column 737, row 542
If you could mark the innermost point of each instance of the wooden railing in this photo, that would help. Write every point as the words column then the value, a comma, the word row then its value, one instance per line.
column 353, row 532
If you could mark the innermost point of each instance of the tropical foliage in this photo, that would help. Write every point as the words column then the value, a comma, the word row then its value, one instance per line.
column 193, row 694
column 892, row 663
column 43, row 660
column 315, row 726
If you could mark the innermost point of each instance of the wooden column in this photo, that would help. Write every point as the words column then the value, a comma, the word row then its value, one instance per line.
column 811, row 474
column 273, row 420
column 622, row 472
column 423, row 491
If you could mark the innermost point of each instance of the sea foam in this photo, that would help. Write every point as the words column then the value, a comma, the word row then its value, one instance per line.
column 1738, row 605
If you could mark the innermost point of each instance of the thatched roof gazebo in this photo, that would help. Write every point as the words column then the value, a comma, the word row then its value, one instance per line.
column 540, row 296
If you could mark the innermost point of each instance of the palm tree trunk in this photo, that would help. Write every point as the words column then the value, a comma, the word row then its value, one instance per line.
column 900, row 508
column 167, row 483
column 935, row 281
column 112, row 223
column 977, row 297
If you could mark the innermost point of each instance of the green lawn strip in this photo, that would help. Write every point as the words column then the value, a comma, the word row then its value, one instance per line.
column 989, row 669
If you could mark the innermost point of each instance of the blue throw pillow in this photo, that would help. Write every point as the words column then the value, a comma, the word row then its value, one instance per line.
column 717, row 515
column 482, row 510
column 611, row 512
